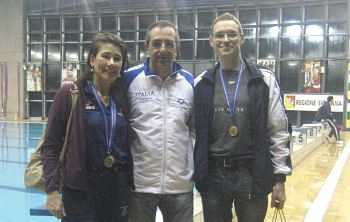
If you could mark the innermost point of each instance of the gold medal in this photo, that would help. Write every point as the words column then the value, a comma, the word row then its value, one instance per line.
column 233, row 130
column 109, row 161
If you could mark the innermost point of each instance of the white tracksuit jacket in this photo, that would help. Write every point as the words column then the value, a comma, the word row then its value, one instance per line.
column 161, row 143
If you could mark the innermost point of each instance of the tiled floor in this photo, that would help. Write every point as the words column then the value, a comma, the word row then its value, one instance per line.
column 18, row 140
column 339, row 207
column 307, row 180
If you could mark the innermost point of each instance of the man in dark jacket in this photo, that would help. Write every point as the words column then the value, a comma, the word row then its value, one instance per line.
column 242, row 133
column 326, row 115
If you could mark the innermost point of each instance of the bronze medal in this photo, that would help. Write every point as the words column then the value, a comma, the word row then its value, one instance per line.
column 233, row 131
column 109, row 161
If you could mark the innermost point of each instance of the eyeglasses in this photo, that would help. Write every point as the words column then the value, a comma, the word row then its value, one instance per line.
column 230, row 35
column 157, row 44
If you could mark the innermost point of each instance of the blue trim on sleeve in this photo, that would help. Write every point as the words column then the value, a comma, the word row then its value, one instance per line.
column 188, row 76
column 132, row 73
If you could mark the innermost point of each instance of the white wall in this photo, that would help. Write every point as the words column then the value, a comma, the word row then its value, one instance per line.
column 11, row 49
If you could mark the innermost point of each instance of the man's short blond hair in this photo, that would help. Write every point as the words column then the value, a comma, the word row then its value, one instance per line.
column 227, row 17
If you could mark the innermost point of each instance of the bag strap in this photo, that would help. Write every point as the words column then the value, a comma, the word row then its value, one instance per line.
column 74, row 95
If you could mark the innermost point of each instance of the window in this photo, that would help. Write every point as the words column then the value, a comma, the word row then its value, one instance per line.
column 127, row 35
column 249, row 48
column 168, row 17
column 336, row 46
column 203, row 33
column 268, row 42
column 337, row 28
column 90, row 24
column 268, row 48
column 291, row 41
column 88, row 37
column 71, row 37
column 35, row 37
column 205, row 19
column 53, row 37
column 186, row 50
column 142, row 35
column 286, row 32
column 35, row 108
column 53, row 25
column 204, row 50
column 86, row 48
column 108, row 24
column 127, row 23
column 247, row 16
column 314, row 13
column 53, row 53
column 35, row 25
column 335, row 76
column 142, row 53
column 145, row 21
column 35, row 53
column 314, row 41
column 336, row 40
column 71, row 24
column 53, row 77
column 249, row 32
column 337, row 12
column 71, row 52
column 185, row 34
column 269, row 31
column 291, row 47
column 289, row 75
column 185, row 25
column 131, row 51
column 269, row 16
column 291, row 15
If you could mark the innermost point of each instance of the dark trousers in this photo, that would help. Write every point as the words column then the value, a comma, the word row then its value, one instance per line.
column 174, row 207
column 226, row 185
column 334, row 130
column 105, row 200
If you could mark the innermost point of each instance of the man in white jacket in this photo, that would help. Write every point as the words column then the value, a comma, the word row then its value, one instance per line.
column 160, row 95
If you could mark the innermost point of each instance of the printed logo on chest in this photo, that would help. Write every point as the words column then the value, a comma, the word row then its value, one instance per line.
column 239, row 109
column 89, row 106
column 144, row 96
column 181, row 104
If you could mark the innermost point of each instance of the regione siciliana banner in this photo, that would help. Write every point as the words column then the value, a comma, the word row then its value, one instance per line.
column 311, row 102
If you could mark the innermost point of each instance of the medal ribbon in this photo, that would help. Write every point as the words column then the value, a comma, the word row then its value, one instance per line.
column 232, row 104
column 109, row 133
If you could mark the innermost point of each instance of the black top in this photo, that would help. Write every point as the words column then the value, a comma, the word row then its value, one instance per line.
column 96, row 143
column 222, row 143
